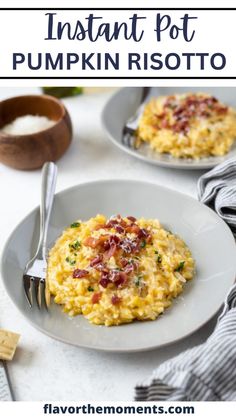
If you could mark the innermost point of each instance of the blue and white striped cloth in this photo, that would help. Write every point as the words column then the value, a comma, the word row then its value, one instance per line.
column 217, row 189
column 205, row 372
column 208, row 371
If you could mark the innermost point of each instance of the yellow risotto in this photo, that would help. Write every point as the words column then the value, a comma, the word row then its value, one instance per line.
column 188, row 125
column 117, row 270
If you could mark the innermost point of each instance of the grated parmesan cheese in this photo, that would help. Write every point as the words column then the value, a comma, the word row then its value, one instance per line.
column 28, row 124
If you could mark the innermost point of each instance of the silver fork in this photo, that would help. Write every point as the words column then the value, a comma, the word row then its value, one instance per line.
column 34, row 277
column 128, row 135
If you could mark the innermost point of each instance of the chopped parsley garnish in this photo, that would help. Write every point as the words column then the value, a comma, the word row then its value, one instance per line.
column 137, row 280
column 75, row 224
column 159, row 257
column 90, row 288
column 70, row 261
column 180, row 267
column 143, row 244
column 75, row 245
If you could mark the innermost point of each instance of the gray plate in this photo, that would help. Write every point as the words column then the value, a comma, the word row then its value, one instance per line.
column 124, row 103
column 206, row 234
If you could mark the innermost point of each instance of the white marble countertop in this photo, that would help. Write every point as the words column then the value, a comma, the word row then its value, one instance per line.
column 44, row 369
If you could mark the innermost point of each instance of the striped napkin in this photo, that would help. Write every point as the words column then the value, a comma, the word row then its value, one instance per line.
column 205, row 372
column 217, row 189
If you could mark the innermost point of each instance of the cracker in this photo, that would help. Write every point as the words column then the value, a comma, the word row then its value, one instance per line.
column 8, row 343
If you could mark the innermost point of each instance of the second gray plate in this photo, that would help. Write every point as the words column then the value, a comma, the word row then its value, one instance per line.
column 124, row 103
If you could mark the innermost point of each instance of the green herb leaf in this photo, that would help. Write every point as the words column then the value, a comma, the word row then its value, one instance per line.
column 143, row 244
column 75, row 246
column 137, row 280
column 159, row 259
column 70, row 261
column 75, row 224
column 180, row 267
column 90, row 288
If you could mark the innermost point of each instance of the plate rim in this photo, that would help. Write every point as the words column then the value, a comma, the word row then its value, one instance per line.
column 104, row 348
column 154, row 162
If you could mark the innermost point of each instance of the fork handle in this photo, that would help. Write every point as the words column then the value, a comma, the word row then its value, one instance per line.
column 49, row 176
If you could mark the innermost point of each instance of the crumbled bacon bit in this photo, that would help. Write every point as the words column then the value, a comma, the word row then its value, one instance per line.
column 222, row 109
column 110, row 252
column 96, row 261
column 130, row 267
column 100, row 267
column 165, row 123
column 170, row 101
column 116, row 223
column 133, row 229
column 123, row 262
column 121, row 279
column 130, row 218
column 95, row 242
column 96, row 297
column 119, row 246
column 115, row 300
column 110, row 246
column 130, row 246
column 111, row 223
column 119, row 229
column 91, row 242
column 102, row 239
column 99, row 226
column 80, row 273
column 113, row 239
column 191, row 106
column 143, row 232
column 114, row 275
column 104, row 281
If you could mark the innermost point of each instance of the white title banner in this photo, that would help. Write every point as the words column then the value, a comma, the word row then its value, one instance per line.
column 121, row 44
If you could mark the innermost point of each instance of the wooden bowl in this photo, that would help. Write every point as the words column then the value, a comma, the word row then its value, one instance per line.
column 31, row 151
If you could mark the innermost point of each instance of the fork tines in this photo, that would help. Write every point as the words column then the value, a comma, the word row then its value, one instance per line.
column 35, row 288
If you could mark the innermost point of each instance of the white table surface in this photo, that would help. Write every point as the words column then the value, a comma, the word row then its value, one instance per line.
column 44, row 369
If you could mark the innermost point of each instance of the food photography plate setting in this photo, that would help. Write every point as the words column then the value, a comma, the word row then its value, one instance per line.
column 199, row 227
column 108, row 253
column 176, row 127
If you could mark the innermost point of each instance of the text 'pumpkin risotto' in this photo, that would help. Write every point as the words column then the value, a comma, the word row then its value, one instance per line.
column 117, row 270
column 191, row 125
